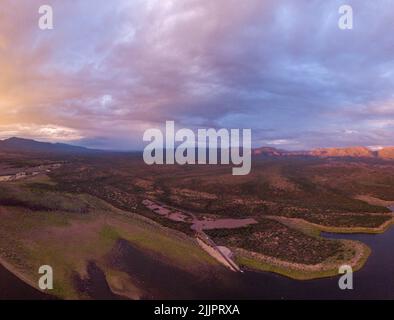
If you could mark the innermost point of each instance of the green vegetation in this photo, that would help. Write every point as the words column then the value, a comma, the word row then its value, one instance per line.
column 78, row 213
column 276, row 240
column 298, row 273
column 317, row 190
column 67, row 231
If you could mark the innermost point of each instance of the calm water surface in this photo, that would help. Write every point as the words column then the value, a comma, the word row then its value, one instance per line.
column 374, row 281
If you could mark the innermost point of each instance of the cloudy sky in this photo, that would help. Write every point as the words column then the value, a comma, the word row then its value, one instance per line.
column 111, row 69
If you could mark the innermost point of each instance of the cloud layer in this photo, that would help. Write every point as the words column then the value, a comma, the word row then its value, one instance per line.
column 111, row 69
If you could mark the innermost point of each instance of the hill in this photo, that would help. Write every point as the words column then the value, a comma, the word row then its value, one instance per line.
column 358, row 152
column 20, row 145
column 386, row 153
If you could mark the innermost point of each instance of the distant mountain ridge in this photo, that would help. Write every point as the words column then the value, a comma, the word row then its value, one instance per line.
column 355, row 152
column 349, row 152
column 21, row 145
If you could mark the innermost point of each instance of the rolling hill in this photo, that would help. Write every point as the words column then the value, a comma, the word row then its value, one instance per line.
column 20, row 145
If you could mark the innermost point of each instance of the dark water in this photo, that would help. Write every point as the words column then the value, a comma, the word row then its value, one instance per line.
column 162, row 280
column 13, row 288
column 374, row 281
column 95, row 284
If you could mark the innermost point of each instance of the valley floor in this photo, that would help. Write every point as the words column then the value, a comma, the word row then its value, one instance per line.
column 107, row 239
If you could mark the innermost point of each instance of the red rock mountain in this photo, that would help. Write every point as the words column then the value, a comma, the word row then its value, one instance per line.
column 357, row 152
column 350, row 152
column 386, row 153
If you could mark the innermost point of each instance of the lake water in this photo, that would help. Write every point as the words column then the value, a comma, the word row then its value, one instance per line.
column 12, row 287
column 374, row 281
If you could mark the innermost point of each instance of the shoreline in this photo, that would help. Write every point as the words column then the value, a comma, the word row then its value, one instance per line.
column 18, row 274
column 258, row 262
column 331, row 229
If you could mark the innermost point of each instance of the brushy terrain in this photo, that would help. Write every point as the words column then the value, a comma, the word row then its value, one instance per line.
column 317, row 190
column 82, row 217
column 75, row 234
column 277, row 240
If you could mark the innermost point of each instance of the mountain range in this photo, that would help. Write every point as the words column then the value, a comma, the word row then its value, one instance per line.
column 20, row 145
column 349, row 152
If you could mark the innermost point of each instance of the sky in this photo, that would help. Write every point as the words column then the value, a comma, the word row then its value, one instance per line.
column 109, row 70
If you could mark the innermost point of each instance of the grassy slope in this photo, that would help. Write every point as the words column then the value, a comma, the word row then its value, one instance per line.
column 77, row 229
column 285, row 189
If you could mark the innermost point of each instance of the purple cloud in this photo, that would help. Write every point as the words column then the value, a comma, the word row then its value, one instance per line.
column 109, row 70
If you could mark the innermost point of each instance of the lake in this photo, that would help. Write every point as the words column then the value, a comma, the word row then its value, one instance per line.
column 11, row 287
column 374, row 281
